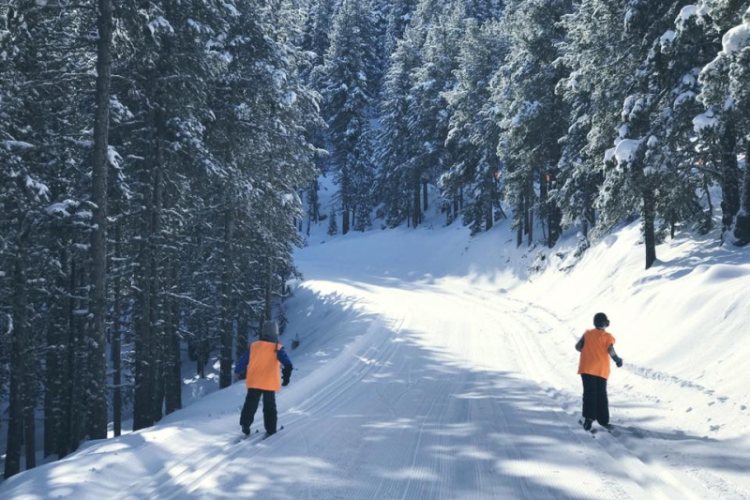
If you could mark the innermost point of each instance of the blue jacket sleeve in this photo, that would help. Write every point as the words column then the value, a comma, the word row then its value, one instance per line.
column 241, row 367
column 283, row 358
column 286, row 371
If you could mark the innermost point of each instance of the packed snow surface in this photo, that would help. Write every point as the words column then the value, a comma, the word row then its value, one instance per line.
column 436, row 365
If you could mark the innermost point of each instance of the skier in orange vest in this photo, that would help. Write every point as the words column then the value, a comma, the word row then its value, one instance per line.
column 596, row 347
column 262, row 366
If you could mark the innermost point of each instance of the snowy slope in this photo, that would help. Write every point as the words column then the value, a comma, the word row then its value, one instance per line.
column 434, row 365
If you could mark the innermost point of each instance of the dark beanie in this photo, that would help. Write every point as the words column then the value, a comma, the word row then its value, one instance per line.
column 600, row 320
column 270, row 331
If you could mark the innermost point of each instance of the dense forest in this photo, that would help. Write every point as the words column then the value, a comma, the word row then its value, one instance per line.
column 154, row 159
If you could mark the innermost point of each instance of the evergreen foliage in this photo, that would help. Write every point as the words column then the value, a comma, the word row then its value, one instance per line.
column 153, row 156
column 205, row 148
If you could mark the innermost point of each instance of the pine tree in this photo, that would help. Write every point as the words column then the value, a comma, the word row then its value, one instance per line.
column 427, row 118
column 99, row 195
column 399, row 14
column 318, row 29
column 394, row 148
column 648, row 115
column 44, row 156
column 723, row 124
column 347, row 85
column 474, row 131
column 534, row 116
column 595, row 49
column 737, row 47
column 333, row 227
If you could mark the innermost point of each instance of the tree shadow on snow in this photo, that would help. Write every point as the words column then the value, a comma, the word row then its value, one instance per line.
column 408, row 421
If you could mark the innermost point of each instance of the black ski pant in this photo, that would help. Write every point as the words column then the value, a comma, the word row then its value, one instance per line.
column 595, row 403
column 251, row 406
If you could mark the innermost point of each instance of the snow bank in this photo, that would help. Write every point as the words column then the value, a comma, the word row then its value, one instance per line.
column 433, row 364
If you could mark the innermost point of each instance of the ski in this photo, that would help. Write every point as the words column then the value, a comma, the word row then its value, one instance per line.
column 591, row 431
column 267, row 435
column 243, row 436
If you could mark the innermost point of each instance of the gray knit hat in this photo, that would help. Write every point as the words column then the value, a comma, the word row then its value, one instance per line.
column 270, row 331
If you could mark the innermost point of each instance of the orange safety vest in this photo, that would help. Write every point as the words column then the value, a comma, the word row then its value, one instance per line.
column 264, row 369
column 595, row 356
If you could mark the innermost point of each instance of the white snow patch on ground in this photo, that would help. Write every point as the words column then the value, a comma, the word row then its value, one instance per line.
column 434, row 365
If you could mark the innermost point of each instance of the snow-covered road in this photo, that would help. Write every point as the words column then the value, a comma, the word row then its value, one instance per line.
column 456, row 393
column 417, row 385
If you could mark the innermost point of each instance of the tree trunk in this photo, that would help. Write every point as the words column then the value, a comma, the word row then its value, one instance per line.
column 530, row 212
column 225, row 358
column 708, row 215
column 589, row 214
column 269, row 284
column 742, row 224
column 117, row 337
column 730, row 177
column 55, row 374
column 649, row 228
column 416, row 210
column 314, row 202
column 425, row 196
column 156, row 286
column 143, row 339
column 18, row 337
column 67, row 438
column 173, row 386
column 243, row 323
column 97, row 411
column 78, row 356
column 51, row 387
column 520, row 221
column 345, row 219
column 29, row 417
column 145, row 334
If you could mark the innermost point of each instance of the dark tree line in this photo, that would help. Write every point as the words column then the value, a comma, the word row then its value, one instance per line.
column 575, row 113
column 150, row 160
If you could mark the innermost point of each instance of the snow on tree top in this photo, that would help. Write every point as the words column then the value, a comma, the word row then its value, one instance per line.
column 705, row 121
column 626, row 149
column 158, row 24
column 736, row 39
column 113, row 157
column 684, row 97
column 41, row 189
column 609, row 154
column 667, row 38
column 61, row 208
column 690, row 11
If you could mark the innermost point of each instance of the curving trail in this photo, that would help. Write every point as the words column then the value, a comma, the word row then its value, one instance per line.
column 424, row 389
column 460, row 393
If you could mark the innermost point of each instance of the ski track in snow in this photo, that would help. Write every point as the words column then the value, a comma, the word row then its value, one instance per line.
column 444, row 411
column 430, row 390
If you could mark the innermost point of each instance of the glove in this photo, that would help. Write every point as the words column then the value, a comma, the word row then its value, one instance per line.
column 618, row 361
column 285, row 375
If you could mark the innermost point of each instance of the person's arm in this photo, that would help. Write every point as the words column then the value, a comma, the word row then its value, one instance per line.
column 241, row 367
column 617, row 359
column 286, row 371
column 579, row 344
